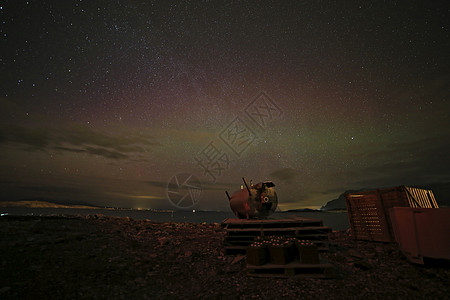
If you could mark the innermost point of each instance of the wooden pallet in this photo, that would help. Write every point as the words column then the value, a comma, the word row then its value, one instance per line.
column 292, row 269
column 271, row 223
column 240, row 233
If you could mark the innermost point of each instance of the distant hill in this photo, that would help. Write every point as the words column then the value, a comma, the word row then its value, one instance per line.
column 441, row 192
column 300, row 210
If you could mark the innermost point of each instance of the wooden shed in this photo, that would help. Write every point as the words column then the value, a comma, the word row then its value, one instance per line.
column 368, row 211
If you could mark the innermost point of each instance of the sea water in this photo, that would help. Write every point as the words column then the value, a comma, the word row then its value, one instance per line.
column 335, row 220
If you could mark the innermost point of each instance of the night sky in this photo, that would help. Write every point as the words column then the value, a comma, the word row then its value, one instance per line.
column 103, row 102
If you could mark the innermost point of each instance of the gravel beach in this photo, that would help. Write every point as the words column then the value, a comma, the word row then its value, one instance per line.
column 100, row 257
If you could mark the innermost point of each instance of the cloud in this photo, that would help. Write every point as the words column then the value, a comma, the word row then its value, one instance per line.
column 55, row 189
column 286, row 174
column 33, row 138
column 133, row 196
column 97, row 151
column 64, row 194
column 159, row 184
column 414, row 161
column 205, row 186
column 78, row 140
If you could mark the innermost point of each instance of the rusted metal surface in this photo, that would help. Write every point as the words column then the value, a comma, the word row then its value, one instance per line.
column 422, row 232
column 368, row 211
column 254, row 201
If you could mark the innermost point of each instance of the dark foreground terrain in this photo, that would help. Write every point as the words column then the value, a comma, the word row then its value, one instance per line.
column 98, row 257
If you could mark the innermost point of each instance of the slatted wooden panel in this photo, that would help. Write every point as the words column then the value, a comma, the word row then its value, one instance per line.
column 392, row 197
column 367, row 217
column 420, row 198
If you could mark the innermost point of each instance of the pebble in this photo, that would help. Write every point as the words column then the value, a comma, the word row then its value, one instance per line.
column 148, row 260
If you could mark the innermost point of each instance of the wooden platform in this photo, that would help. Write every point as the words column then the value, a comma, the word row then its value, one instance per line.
column 240, row 233
column 323, row 270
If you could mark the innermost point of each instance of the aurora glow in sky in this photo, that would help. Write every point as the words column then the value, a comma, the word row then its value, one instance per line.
column 103, row 102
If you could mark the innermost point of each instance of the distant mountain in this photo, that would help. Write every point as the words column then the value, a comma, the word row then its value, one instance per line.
column 335, row 204
column 339, row 203
column 300, row 210
column 441, row 192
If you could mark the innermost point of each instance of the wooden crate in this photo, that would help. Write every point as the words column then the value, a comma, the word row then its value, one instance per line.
column 280, row 255
column 257, row 256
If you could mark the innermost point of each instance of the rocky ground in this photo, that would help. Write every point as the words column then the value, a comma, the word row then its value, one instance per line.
column 98, row 257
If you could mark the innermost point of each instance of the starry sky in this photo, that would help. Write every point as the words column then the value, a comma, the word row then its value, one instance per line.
column 134, row 103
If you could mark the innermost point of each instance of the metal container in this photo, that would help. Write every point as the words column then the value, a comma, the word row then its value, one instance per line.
column 422, row 233
column 254, row 202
